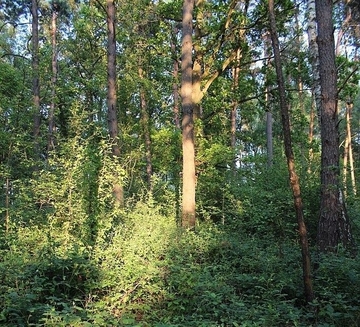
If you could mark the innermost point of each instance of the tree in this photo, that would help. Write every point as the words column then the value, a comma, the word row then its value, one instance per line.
column 52, row 128
column 35, row 72
column 111, row 96
column 333, row 228
column 188, row 145
column 293, row 177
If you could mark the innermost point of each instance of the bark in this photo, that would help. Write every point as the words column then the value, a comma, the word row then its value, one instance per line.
column 293, row 178
column 348, row 154
column 52, row 127
column 35, row 75
column 269, row 116
column 112, row 98
column 333, row 226
column 300, row 63
column 311, row 133
column 175, row 83
column 235, row 104
column 314, row 55
column 269, row 138
column 146, row 130
column 342, row 30
column 7, row 205
column 188, row 194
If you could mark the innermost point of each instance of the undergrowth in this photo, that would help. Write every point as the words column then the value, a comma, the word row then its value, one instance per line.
column 148, row 272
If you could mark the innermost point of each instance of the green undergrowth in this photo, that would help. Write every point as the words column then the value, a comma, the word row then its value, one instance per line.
column 147, row 272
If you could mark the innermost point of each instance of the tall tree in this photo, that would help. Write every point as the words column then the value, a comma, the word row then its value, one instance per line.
column 145, row 121
column 35, row 72
column 52, row 128
column 314, row 56
column 293, row 177
column 175, row 76
column 188, row 146
column 333, row 226
column 111, row 97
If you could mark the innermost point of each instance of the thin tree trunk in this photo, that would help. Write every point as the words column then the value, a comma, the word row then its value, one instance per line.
column 7, row 203
column 300, row 63
column 314, row 55
column 175, row 83
column 334, row 228
column 146, row 130
column 348, row 154
column 52, row 127
column 293, row 178
column 188, row 194
column 35, row 76
column 311, row 132
column 111, row 98
column 235, row 104
column 269, row 116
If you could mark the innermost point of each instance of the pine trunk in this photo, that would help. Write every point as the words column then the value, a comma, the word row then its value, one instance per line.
column 333, row 228
column 293, row 178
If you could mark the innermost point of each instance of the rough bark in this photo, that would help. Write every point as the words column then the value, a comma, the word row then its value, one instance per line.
column 188, row 194
column 293, row 177
column 112, row 98
column 333, row 226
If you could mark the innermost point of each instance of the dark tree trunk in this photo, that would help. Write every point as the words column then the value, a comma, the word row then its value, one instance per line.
column 111, row 98
column 333, row 226
column 293, row 178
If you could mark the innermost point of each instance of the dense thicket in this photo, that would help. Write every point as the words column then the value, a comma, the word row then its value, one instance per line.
column 92, row 167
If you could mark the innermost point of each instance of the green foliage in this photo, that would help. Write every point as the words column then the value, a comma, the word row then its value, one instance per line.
column 150, row 273
column 71, row 257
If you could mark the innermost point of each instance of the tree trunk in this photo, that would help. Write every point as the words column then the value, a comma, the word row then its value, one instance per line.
column 269, row 116
column 146, row 130
column 51, row 137
column 348, row 155
column 35, row 76
column 7, row 204
column 311, row 132
column 188, row 195
column 333, row 226
column 314, row 55
column 111, row 98
column 235, row 104
column 175, row 82
column 293, row 178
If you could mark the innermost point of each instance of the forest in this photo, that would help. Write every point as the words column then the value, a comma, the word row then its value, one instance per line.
column 179, row 163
